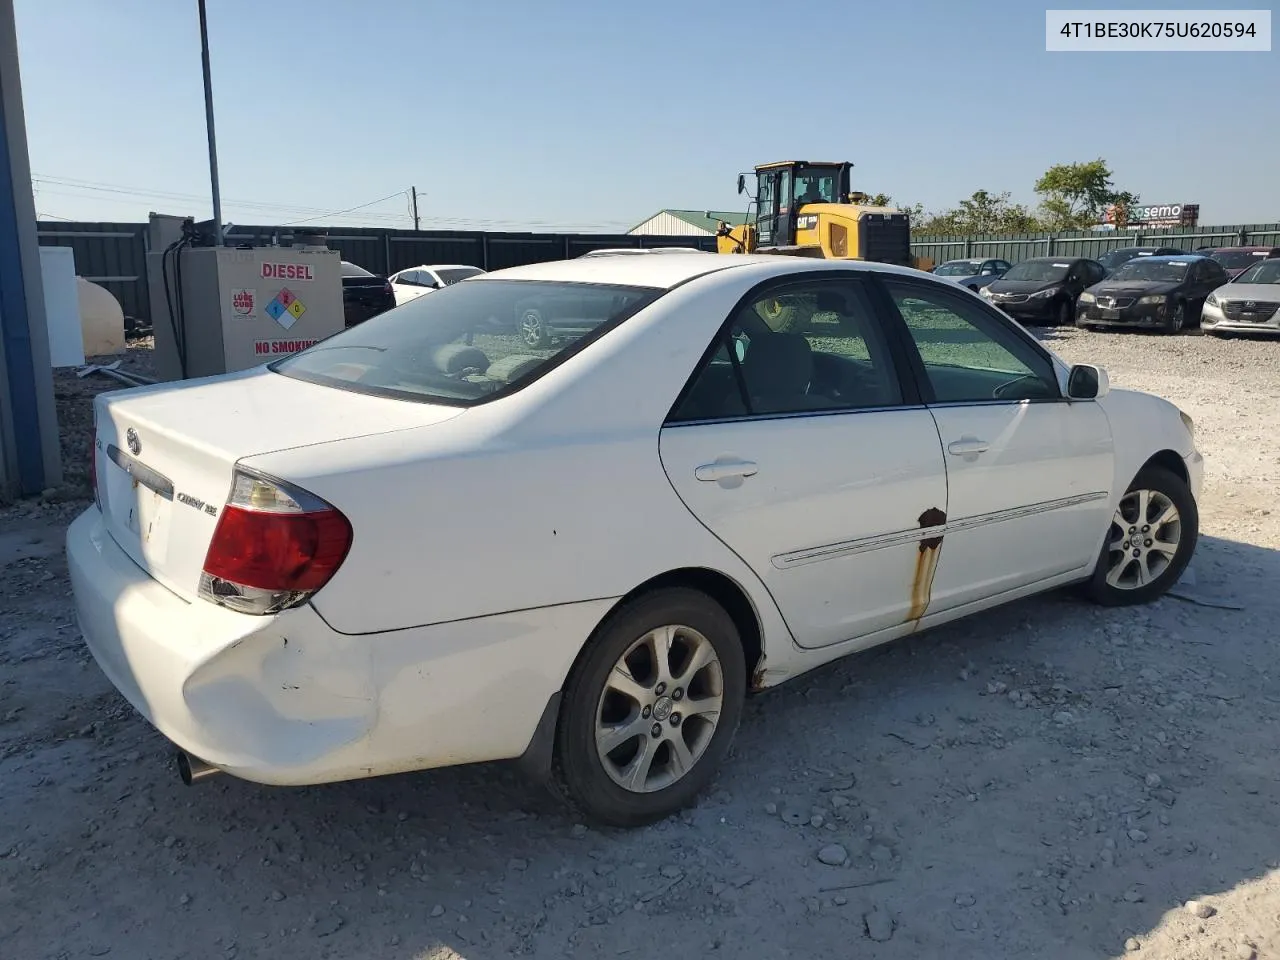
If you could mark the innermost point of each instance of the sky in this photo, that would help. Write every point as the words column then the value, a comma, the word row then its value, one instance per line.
column 591, row 116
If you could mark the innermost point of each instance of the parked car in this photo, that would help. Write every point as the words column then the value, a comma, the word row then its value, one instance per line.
column 1248, row 304
column 974, row 274
column 1237, row 260
column 1044, row 289
column 1163, row 292
column 415, row 281
column 364, row 294
column 353, row 581
column 1116, row 258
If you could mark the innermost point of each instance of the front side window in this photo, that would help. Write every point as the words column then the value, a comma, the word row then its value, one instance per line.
column 969, row 356
column 958, row 268
column 804, row 348
column 469, row 342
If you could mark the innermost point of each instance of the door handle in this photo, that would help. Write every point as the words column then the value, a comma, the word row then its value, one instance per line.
column 968, row 447
column 725, row 469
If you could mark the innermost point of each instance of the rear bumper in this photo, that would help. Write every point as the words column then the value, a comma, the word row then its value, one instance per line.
column 287, row 700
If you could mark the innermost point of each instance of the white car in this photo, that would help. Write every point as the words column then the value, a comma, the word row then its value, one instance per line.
column 413, row 282
column 418, row 543
column 1248, row 304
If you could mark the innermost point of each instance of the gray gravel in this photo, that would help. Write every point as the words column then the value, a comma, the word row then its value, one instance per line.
column 975, row 820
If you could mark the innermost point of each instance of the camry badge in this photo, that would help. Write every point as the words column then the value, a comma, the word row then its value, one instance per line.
column 131, row 438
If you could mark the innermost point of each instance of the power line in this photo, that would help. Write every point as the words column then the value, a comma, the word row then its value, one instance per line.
column 339, row 213
column 119, row 193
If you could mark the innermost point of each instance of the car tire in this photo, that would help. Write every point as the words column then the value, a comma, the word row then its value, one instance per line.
column 457, row 357
column 1122, row 579
column 532, row 328
column 616, row 687
column 1178, row 319
column 785, row 316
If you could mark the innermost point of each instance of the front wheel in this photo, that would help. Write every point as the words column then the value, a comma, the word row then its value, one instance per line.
column 533, row 328
column 651, row 708
column 1178, row 319
column 1150, row 541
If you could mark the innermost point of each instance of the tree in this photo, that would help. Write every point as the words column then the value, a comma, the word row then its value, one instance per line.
column 983, row 212
column 1076, row 194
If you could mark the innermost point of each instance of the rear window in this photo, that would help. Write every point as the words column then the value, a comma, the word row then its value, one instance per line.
column 352, row 270
column 450, row 275
column 467, row 343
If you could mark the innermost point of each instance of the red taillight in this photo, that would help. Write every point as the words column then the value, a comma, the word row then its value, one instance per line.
column 387, row 289
column 274, row 546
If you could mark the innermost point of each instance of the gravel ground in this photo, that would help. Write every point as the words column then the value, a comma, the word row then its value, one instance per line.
column 1048, row 780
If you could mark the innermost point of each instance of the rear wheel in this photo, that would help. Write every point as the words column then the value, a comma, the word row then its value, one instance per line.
column 1149, row 544
column 651, row 708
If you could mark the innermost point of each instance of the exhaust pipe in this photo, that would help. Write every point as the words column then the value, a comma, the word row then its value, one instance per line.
column 193, row 769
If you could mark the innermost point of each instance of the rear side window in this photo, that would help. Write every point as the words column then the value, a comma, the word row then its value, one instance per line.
column 469, row 342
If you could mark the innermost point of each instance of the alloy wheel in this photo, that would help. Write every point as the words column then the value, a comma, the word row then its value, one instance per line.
column 1146, row 531
column 659, row 709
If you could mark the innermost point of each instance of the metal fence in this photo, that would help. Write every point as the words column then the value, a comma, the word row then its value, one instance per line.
column 114, row 254
column 1021, row 246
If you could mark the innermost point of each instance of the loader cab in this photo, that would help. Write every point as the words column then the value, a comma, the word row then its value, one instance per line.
column 783, row 188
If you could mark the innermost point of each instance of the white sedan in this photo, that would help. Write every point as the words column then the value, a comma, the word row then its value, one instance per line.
column 413, row 282
column 423, row 542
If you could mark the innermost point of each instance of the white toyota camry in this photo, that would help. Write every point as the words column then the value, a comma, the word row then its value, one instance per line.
column 424, row 542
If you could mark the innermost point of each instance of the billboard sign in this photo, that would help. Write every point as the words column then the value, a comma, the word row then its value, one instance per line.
column 1156, row 215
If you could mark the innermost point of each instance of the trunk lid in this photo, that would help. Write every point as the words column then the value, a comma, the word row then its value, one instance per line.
column 165, row 454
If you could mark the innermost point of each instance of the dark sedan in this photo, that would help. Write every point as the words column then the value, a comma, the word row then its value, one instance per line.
column 1043, row 290
column 1114, row 259
column 364, row 294
column 1162, row 292
column 1236, row 260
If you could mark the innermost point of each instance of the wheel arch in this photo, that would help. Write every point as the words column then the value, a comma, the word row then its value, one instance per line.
column 1171, row 461
column 725, row 591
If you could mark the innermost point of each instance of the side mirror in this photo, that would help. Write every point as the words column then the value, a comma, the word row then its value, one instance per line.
column 1087, row 382
column 742, row 183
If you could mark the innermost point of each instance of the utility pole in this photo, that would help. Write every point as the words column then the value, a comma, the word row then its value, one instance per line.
column 208, row 119
column 414, row 191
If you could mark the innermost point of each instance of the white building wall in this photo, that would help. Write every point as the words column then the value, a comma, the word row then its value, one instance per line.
column 665, row 225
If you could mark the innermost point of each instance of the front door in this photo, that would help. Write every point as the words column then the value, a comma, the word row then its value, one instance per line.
column 810, row 457
column 1029, row 473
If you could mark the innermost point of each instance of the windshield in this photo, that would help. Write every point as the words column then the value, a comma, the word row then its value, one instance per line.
column 959, row 268
column 1161, row 271
column 454, row 274
column 1268, row 271
column 1117, row 257
column 1235, row 259
column 1040, row 270
column 466, row 343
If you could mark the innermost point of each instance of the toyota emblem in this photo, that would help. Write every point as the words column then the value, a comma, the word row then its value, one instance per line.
column 131, row 438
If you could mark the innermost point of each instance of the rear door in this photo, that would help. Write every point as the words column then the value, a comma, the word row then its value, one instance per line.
column 1029, row 473
column 808, row 454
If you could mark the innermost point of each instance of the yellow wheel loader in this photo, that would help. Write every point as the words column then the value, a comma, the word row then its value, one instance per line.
column 806, row 209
